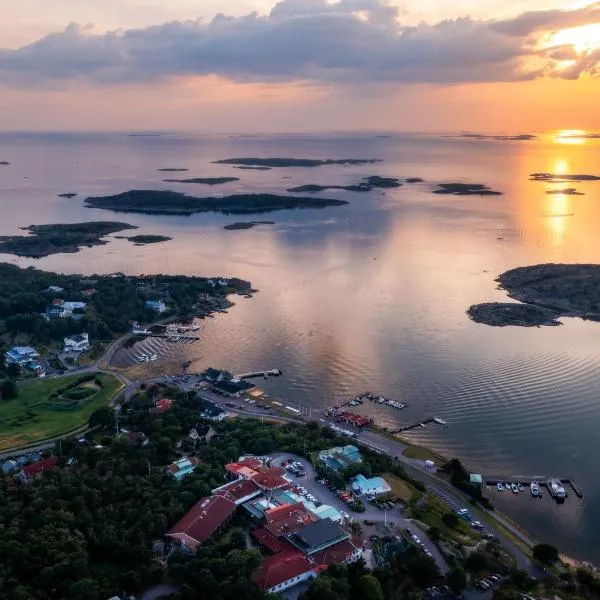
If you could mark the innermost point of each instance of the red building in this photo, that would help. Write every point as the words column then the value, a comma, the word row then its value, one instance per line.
column 282, row 571
column 36, row 469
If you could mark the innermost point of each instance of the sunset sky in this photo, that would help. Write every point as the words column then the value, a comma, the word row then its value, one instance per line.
column 299, row 65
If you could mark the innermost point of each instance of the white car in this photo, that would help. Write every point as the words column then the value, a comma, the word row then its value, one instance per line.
column 416, row 539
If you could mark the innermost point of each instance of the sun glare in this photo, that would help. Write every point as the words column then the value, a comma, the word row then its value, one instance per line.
column 570, row 136
column 582, row 39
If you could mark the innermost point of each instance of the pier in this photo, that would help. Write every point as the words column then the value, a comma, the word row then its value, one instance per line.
column 176, row 338
column 265, row 374
column 527, row 480
column 376, row 399
column 421, row 424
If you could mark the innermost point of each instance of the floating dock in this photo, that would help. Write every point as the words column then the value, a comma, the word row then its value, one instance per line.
column 421, row 424
column 265, row 374
column 527, row 480
column 368, row 396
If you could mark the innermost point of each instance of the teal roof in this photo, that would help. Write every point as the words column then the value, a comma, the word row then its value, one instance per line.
column 327, row 512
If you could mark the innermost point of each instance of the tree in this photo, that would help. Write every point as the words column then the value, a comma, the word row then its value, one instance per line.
column 450, row 520
column 103, row 417
column 545, row 553
column 370, row 588
column 434, row 533
column 456, row 580
column 9, row 390
column 84, row 589
column 13, row 370
column 476, row 562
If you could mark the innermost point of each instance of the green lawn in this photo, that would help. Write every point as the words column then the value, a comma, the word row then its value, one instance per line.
column 34, row 416
column 419, row 453
column 400, row 488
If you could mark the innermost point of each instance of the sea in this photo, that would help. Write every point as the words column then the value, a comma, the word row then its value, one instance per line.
column 372, row 295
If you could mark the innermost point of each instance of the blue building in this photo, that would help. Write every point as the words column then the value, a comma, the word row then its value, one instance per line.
column 340, row 457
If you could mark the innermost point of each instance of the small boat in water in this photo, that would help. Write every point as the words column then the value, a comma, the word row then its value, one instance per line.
column 500, row 487
column 439, row 421
column 514, row 488
column 535, row 489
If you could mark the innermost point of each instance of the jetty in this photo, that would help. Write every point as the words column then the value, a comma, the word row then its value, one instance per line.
column 422, row 424
column 376, row 399
column 265, row 374
column 541, row 480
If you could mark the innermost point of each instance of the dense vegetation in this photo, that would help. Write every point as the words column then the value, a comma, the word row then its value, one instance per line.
column 175, row 203
column 60, row 237
column 117, row 301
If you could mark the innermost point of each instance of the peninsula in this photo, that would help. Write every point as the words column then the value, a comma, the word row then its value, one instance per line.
column 562, row 178
column 204, row 180
column 294, row 162
column 246, row 225
column 546, row 292
column 60, row 237
column 158, row 202
column 466, row 189
column 366, row 185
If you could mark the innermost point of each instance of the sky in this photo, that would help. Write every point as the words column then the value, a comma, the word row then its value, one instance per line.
column 299, row 65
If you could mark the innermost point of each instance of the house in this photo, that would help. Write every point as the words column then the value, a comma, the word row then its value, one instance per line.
column 77, row 343
column 89, row 292
column 136, row 437
column 213, row 375
column 346, row 552
column 217, row 282
column 287, row 518
column 212, row 412
column 207, row 516
column 70, row 307
column 8, row 466
column 271, row 479
column 246, row 468
column 232, row 387
column 318, row 536
column 162, row 406
column 156, row 306
column 137, row 329
column 340, row 457
column 240, row 491
column 202, row 433
column 374, row 485
column 64, row 310
column 35, row 469
column 54, row 289
column 21, row 355
column 180, row 468
column 283, row 571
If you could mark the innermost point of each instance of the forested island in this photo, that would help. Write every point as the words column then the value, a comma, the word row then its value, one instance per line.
column 68, row 195
column 142, row 240
column 204, row 180
column 294, row 162
column 465, row 189
column 246, row 225
column 59, row 237
column 547, row 292
column 173, row 170
column 175, row 203
column 366, row 185
column 562, row 178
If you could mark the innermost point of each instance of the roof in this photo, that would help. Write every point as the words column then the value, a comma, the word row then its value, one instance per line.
column 78, row 338
column 22, row 350
column 337, row 553
column 236, row 491
column 183, row 465
column 268, row 540
column 232, row 387
column 271, row 479
column 280, row 568
column 327, row 512
column 373, row 482
column 41, row 466
column 204, row 518
column 211, row 373
column 320, row 533
column 287, row 518
column 161, row 406
column 248, row 467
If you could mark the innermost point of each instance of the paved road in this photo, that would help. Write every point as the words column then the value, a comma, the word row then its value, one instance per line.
column 326, row 496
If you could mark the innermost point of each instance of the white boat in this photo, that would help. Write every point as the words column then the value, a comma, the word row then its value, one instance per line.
column 535, row 489
column 556, row 489
column 514, row 488
column 439, row 421
column 500, row 487
column 195, row 327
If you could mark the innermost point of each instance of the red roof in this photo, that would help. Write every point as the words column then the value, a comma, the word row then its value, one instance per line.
column 337, row 553
column 287, row 518
column 281, row 568
column 246, row 468
column 175, row 468
column 161, row 406
column 58, row 302
column 271, row 479
column 88, row 292
column 237, row 490
column 269, row 541
column 41, row 466
column 204, row 518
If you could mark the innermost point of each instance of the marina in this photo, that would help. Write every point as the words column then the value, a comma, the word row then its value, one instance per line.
column 556, row 486
column 265, row 374
column 368, row 396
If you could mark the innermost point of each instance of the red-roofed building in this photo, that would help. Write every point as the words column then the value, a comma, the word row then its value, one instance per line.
column 269, row 541
column 238, row 491
column 246, row 468
column 283, row 571
column 36, row 469
column 287, row 518
column 161, row 406
column 205, row 518
column 348, row 551
column 271, row 480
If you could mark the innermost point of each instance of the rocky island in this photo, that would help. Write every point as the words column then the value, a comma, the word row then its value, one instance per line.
column 546, row 292
column 566, row 192
column 67, row 195
column 248, row 168
column 158, row 202
column 366, row 185
column 142, row 240
column 56, row 238
column 466, row 189
column 172, row 170
column 204, row 180
column 522, row 137
column 562, row 178
column 414, row 180
column 4, row 163
column 246, row 225
column 294, row 162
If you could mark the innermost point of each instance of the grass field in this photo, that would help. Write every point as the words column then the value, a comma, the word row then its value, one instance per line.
column 419, row 453
column 400, row 488
column 34, row 416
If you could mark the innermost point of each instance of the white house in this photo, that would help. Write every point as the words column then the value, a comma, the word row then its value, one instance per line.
column 21, row 355
column 156, row 306
column 77, row 343
column 70, row 307
column 54, row 289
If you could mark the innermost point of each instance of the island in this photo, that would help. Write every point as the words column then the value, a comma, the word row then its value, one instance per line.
column 562, row 178
column 4, row 163
column 294, row 162
column 246, row 225
column 545, row 292
column 466, row 189
column 413, row 180
column 172, row 170
column 204, row 180
column 46, row 240
column 523, row 137
column 67, row 195
column 566, row 192
column 159, row 202
column 142, row 240
column 366, row 185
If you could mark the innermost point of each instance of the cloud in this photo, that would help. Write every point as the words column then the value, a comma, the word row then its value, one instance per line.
column 356, row 42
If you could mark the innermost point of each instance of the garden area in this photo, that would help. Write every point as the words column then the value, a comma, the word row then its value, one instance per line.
column 50, row 407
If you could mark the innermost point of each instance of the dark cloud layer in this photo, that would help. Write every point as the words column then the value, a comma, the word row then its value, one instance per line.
column 348, row 42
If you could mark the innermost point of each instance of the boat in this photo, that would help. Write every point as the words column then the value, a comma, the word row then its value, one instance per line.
column 195, row 327
column 557, row 491
column 514, row 488
column 500, row 487
column 439, row 421
column 535, row 489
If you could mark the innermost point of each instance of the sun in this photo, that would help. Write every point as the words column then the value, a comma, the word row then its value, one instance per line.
column 581, row 39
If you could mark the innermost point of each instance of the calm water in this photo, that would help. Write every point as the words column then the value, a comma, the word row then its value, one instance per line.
column 371, row 295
